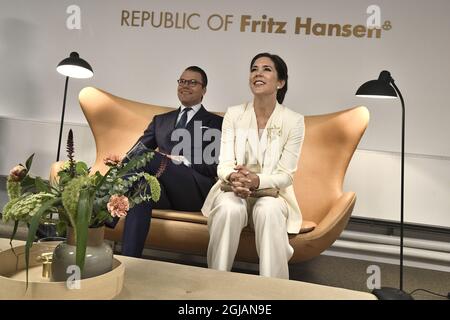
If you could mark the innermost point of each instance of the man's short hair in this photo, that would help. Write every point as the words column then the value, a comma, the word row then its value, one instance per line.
column 202, row 73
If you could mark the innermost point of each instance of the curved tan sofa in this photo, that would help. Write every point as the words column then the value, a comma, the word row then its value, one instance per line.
column 330, row 141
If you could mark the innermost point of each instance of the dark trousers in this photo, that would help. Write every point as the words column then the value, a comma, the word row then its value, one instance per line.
column 179, row 191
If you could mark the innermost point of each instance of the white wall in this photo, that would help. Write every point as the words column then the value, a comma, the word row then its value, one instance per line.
column 142, row 63
column 375, row 177
column 22, row 137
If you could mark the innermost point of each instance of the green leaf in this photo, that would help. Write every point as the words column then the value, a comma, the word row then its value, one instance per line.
column 84, row 210
column 41, row 185
column 102, row 180
column 29, row 162
column 132, row 164
column 16, row 225
column 61, row 227
column 81, row 168
column 100, row 218
column 28, row 184
column 34, row 224
column 62, row 173
column 64, row 179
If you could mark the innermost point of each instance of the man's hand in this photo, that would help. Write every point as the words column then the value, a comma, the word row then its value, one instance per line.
column 178, row 159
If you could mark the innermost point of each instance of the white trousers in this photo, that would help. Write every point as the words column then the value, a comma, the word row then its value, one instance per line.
column 226, row 221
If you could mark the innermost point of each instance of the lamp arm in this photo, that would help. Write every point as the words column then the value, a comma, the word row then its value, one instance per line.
column 62, row 119
column 399, row 94
column 402, row 182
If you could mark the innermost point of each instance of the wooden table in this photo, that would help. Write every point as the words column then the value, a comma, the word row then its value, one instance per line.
column 150, row 279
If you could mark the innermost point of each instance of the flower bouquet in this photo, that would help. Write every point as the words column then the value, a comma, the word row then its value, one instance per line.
column 81, row 199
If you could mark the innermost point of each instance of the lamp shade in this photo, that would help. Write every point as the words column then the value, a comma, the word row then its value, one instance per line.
column 380, row 88
column 75, row 67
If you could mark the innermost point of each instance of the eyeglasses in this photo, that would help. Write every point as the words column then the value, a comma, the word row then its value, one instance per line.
column 191, row 83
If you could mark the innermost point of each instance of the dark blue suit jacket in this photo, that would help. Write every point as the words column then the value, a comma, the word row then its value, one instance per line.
column 158, row 135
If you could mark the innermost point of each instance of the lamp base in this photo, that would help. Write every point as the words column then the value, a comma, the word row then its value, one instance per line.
column 386, row 293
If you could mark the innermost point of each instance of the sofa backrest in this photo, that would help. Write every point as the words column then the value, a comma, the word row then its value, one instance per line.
column 330, row 141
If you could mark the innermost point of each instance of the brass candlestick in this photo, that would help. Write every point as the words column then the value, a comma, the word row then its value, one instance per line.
column 46, row 259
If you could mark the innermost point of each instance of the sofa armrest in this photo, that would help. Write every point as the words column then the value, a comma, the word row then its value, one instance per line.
column 336, row 218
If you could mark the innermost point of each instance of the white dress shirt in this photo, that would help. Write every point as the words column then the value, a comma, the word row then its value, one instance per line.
column 191, row 112
column 190, row 115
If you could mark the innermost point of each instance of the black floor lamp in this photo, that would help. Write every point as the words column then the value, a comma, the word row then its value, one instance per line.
column 385, row 87
column 73, row 67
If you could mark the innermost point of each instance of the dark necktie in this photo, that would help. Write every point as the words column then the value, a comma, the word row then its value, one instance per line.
column 182, row 122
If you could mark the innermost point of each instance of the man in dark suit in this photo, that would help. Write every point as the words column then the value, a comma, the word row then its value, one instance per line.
column 188, row 142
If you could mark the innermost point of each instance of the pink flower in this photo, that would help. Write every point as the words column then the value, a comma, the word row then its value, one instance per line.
column 118, row 206
column 17, row 173
column 112, row 160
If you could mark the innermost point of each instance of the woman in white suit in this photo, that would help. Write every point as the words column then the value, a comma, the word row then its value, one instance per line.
column 260, row 148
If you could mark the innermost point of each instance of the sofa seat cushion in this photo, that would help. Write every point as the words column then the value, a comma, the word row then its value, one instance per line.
column 198, row 217
column 187, row 216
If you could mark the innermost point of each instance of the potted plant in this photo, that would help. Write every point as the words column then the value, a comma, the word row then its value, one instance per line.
column 83, row 200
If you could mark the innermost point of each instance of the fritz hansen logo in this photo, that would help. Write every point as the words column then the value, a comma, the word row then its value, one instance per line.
column 244, row 23
column 264, row 24
column 309, row 27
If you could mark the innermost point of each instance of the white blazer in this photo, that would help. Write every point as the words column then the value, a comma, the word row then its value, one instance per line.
column 276, row 154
